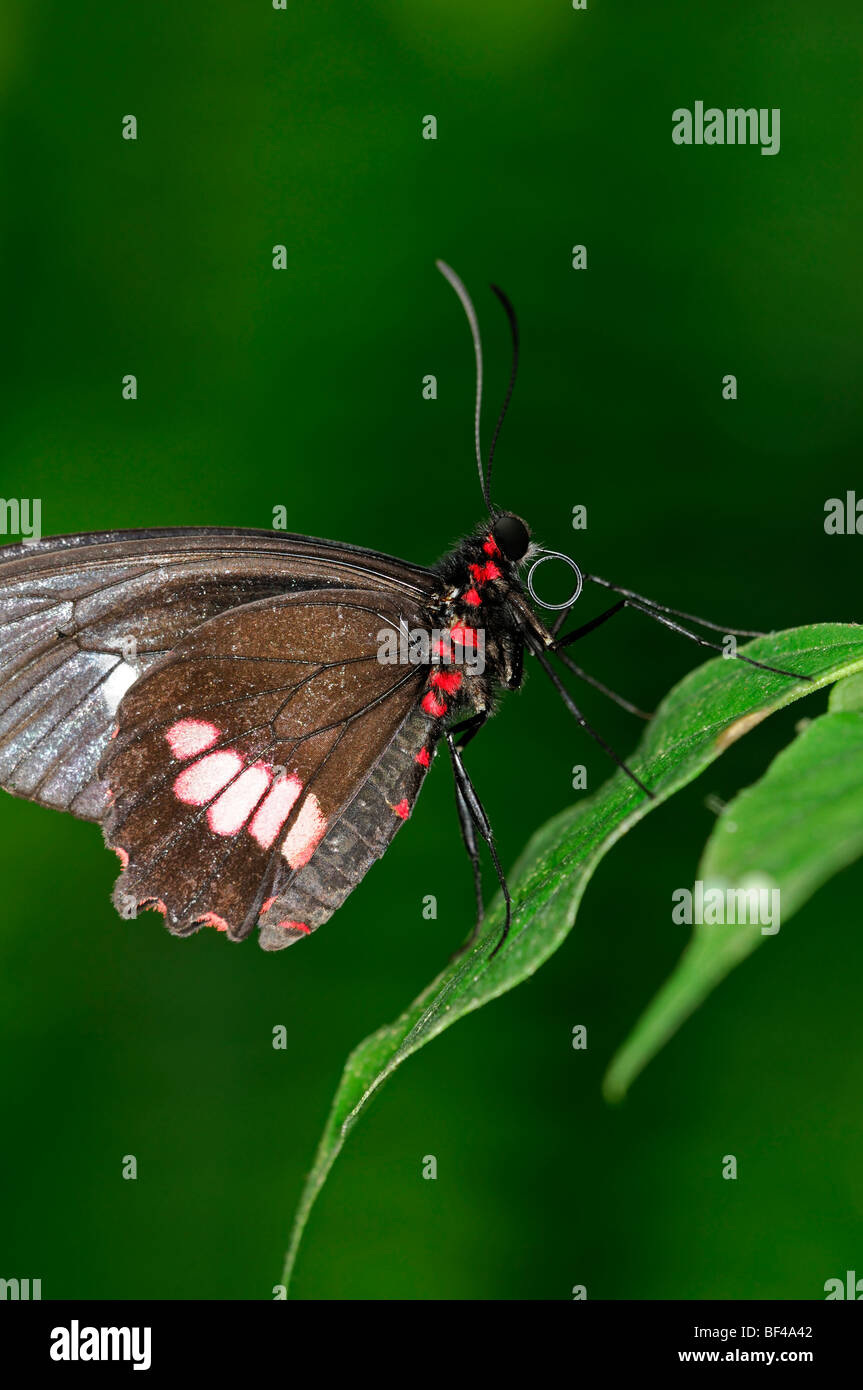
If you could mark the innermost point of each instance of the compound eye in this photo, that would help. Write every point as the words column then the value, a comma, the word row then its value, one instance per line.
column 512, row 536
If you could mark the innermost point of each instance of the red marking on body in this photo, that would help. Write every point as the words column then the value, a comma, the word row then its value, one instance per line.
column 295, row 926
column 274, row 811
column 265, row 907
column 483, row 573
column 114, row 732
column 233, row 808
column 472, row 598
column 423, row 758
column 490, row 546
column 191, row 736
column 403, row 809
column 198, row 784
column 123, row 855
column 154, row 905
column 212, row 919
column 432, row 705
column 305, row 834
column 464, row 636
column 447, row 681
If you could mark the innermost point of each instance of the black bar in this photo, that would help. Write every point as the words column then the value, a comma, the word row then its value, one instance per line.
column 247, row 1337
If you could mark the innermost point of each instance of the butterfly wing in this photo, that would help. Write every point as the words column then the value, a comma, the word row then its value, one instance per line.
column 82, row 618
column 271, row 740
column 305, row 897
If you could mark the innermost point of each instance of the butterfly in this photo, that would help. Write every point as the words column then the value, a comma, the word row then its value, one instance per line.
column 250, row 715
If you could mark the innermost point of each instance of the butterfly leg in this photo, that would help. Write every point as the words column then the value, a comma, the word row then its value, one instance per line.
column 664, row 608
column 645, row 607
column 467, row 799
column 468, row 834
column 604, row 689
column 579, row 632
column 575, row 636
column 467, row 730
column 577, row 715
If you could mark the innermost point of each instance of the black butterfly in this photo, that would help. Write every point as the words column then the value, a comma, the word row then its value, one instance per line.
column 250, row 715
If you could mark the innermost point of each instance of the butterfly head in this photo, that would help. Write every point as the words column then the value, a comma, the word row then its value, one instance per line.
column 511, row 535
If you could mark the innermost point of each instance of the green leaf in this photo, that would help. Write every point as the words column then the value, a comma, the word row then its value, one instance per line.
column 847, row 694
column 711, row 708
column 799, row 825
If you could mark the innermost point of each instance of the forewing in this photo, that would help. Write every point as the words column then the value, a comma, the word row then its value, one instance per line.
column 237, row 755
column 82, row 618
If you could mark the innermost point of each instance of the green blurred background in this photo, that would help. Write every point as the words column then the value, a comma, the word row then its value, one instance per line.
column 302, row 388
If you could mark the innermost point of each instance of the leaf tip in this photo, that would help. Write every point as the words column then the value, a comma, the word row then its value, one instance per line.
column 614, row 1088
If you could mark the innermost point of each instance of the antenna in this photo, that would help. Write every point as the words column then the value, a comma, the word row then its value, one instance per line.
column 449, row 274
column 513, row 328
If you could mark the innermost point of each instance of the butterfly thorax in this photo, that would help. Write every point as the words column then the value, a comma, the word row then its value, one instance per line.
column 482, row 648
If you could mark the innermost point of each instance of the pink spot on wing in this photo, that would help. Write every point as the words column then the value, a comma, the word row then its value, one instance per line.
column 123, row 856
column 265, row 907
column 403, row 809
column 212, row 919
column 305, row 834
column 295, row 926
column 274, row 811
column 198, row 784
column 191, row 736
column 233, row 808
column 423, row 758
